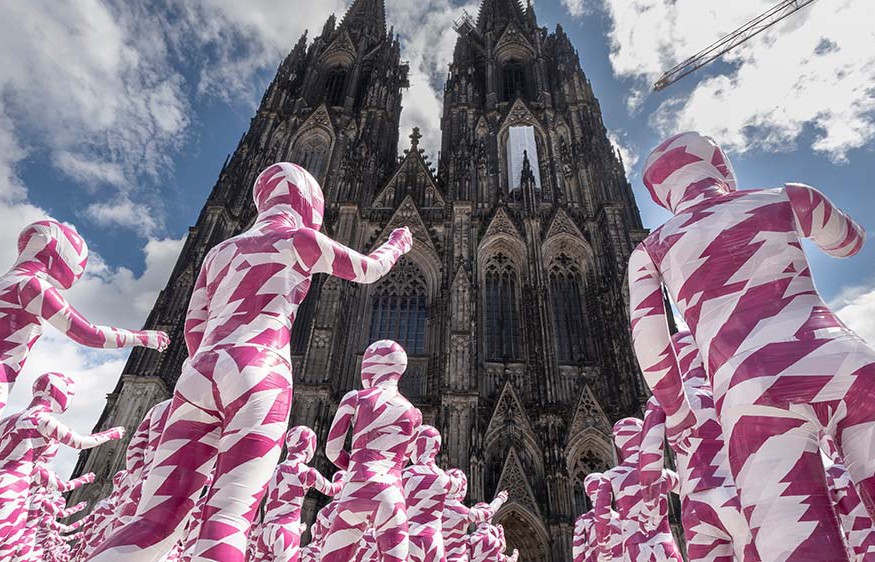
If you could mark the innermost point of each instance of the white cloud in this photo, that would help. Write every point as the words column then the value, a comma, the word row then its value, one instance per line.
column 856, row 307
column 813, row 71
column 123, row 212
column 575, row 8
column 628, row 150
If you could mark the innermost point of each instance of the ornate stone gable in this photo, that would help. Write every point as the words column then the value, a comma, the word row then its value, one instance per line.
column 502, row 224
column 320, row 118
column 415, row 163
column 513, row 43
column 563, row 224
column 408, row 215
column 513, row 479
column 588, row 415
column 340, row 51
column 509, row 412
column 519, row 114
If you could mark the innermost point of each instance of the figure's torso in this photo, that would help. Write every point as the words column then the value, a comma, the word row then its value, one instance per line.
column 19, row 329
column 286, row 492
column 384, row 427
column 425, row 489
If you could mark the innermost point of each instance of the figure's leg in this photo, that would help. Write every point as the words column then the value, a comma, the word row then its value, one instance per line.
column 855, row 434
column 182, row 462
column 707, row 541
column 286, row 545
column 390, row 525
column 255, row 417
column 354, row 510
column 775, row 459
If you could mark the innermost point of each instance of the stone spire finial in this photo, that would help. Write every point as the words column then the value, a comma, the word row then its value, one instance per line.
column 414, row 137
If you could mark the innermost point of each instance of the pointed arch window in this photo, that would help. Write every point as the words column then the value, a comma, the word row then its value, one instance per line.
column 398, row 308
column 513, row 80
column 566, row 295
column 500, row 308
column 588, row 463
column 335, row 86
column 312, row 153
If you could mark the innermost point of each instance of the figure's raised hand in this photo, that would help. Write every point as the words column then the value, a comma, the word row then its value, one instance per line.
column 110, row 434
column 502, row 495
column 402, row 239
column 153, row 339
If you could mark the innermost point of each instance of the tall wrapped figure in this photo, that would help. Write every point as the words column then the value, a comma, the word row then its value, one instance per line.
column 782, row 365
column 51, row 258
column 426, row 487
column 232, row 401
column 384, row 426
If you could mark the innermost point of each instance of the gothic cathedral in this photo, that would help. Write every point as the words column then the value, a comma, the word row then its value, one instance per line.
column 512, row 305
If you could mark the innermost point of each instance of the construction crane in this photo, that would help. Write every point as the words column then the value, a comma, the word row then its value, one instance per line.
column 720, row 47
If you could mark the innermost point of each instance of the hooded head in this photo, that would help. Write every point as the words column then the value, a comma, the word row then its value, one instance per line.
column 383, row 364
column 53, row 390
column 689, row 359
column 301, row 443
column 458, row 484
column 292, row 187
column 627, row 437
column 427, row 445
column 591, row 485
column 687, row 169
column 57, row 248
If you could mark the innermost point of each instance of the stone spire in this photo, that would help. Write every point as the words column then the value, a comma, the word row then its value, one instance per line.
column 496, row 14
column 366, row 18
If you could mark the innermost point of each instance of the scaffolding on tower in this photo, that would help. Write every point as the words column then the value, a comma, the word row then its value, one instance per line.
column 754, row 27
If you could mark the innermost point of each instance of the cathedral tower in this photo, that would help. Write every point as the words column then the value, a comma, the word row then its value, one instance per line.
column 512, row 305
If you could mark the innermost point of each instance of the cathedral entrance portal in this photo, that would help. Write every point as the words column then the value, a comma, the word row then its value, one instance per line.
column 524, row 532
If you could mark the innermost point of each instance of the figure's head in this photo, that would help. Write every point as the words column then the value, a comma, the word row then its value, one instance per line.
column 53, row 390
column 627, row 437
column 301, row 443
column 383, row 364
column 685, row 169
column 60, row 250
column 689, row 359
column 591, row 485
column 458, row 484
column 427, row 445
column 293, row 187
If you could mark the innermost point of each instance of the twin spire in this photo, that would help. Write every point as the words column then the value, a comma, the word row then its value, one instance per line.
column 366, row 18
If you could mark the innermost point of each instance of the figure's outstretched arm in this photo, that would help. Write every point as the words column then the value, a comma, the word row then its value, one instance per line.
column 334, row 450
column 823, row 223
column 480, row 514
column 54, row 430
column 43, row 300
column 198, row 313
column 324, row 485
column 652, row 341
column 651, row 459
column 320, row 254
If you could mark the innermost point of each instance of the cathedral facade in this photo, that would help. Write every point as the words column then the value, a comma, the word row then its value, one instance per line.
column 512, row 304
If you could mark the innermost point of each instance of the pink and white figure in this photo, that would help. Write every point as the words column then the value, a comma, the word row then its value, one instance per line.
column 279, row 533
column 714, row 525
column 646, row 533
column 426, row 486
column 783, row 367
column 384, row 426
column 324, row 519
column 585, row 545
column 51, row 258
column 232, row 401
column 855, row 521
column 24, row 438
column 487, row 543
column 458, row 517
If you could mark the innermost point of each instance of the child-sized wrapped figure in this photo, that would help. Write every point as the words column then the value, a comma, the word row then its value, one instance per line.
column 232, row 401
column 279, row 534
column 646, row 534
column 384, row 426
column 585, row 546
column 51, row 257
column 714, row 526
column 24, row 438
column 783, row 367
column 458, row 517
column 425, row 488
column 487, row 543
column 324, row 518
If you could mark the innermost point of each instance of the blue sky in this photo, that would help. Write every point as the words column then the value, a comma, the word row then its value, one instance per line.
column 116, row 116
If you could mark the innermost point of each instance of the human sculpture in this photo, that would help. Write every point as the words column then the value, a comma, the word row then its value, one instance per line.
column 384, row 425
column 783, row 367
column 585, row 546
column 51, row 258
column 324, row 518
column 279, row 534
column 426, row 486
column 855, row 521
column 646, row 533
column 457, row 516
column 714, row 526
column 24, row 437
column 234, row 395
column 487, row 543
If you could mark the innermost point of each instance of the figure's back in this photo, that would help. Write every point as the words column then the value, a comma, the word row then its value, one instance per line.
column 385, row 425
column 18, row 328
column 733, row 264
column 286, row 493
column 425, row 489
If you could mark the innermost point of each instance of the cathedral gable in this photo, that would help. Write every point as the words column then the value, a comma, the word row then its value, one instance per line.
column 513, row 44
column 513, row 479
column 588, row 414
column 501, row 224
column 408, row 215
column 508, row 411
column 340, row 51
column 519, row 114
column 318, row 119
column 563, row 224
column 413, row 165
